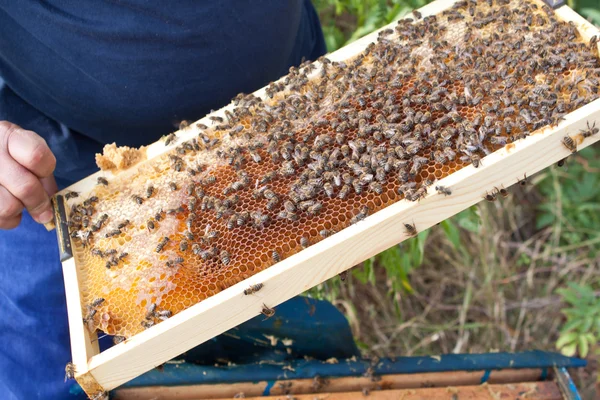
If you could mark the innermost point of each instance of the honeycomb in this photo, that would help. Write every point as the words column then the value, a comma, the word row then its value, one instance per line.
column 329, row 144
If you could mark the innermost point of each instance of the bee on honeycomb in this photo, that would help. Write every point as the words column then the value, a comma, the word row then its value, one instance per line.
column 331, row 142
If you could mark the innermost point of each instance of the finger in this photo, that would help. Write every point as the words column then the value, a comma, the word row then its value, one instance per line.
column 10, row 209
column 30, row 150
column 49, row 184
column 28, row 189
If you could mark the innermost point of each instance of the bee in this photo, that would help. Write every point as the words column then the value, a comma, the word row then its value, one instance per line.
column 118, row 339
column 364, row 212
column 443, row 190
column 122, row 256
column 147, row 324
column 90, row 315
column 172, row 186
column 490, row 196
column 102, row 181
column 376, row 187
column 215, row 119
column 123, row 224
column 183, row 245
column 96, row 302
column 253, row 289
column 570, row 144
column 416, row 14
column 97, row 252
column 304, row 242
column 137, row 199
column 175, row 261
column 325, row 233
column 590, row 131
column 101, row 395
column 411, row 229
column 164, row 314
column 502, row 191
column 71, row 195
column 114, row 232
column 210, row 235
column 275, row 256
column 169, row 139
column 196, row 249
column 344, row 191
column 225, row 257
column 524, row 181
column 163, row 242
column 70, row 371
column 209, row 180
column 267, row 312
column 315, row 209
column 149, row 191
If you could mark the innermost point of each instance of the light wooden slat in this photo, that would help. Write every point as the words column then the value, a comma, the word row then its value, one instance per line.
column 528, row 390
column 334, row 385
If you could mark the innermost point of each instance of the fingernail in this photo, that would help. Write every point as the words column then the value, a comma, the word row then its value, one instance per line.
column 45, row 217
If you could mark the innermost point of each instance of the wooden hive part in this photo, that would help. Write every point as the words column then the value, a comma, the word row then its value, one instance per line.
column 332, row 143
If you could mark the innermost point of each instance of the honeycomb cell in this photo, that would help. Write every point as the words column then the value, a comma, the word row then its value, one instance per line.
column 414, row 107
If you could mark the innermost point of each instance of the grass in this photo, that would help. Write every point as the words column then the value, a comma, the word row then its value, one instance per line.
column 520, row 273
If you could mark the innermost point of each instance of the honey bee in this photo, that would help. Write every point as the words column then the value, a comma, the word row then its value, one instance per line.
column 70, row 371
column 363, row 213
column 137, row 199
column 164, row 314
column 149, row 191
column 123, row 224
column 590, row 131
column 147, row 324
column 416, row 14
column 524, row 181
column 97, row 252
column 172, row 186
column 96, row 302
column 490, row 196
column 215, row 119
column 71, row 195
column 118, row 339
column 267, row 312
column 253, row 289
column 443, row 190
column 411, row 229
column 102, row 181
column 325, row 233
column 114, row 232
column 175, row 261
column 569, row 143
column 169, row 138
column 225, row 257
column 275, row 256
column 163, row 242
column 304, row 242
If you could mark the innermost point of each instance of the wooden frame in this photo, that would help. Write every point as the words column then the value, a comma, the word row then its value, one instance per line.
column 104, row 371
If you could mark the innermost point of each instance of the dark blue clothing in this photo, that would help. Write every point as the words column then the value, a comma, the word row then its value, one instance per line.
column 83, row 73
column 128, row 71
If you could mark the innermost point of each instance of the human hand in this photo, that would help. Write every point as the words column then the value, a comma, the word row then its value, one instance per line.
column 26, row 180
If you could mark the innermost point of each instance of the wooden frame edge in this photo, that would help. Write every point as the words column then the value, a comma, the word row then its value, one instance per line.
column 337, row 253
column 115, row 366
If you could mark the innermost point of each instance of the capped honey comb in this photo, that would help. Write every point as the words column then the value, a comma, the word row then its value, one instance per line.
column 330, row 143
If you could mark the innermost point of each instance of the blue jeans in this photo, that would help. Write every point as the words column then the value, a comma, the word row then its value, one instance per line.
column 34, row 334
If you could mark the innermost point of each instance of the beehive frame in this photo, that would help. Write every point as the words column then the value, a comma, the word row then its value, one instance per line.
column 102, row 371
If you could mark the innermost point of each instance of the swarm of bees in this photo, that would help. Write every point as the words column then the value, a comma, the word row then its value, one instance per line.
column 330, row 144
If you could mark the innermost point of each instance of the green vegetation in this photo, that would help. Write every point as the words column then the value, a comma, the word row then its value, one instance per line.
column 519, row 273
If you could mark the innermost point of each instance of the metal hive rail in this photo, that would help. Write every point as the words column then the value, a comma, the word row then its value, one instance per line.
column 326, row 148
